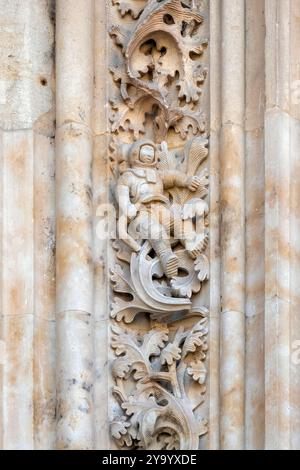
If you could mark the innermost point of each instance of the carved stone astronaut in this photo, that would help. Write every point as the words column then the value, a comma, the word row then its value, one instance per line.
column 145, row 212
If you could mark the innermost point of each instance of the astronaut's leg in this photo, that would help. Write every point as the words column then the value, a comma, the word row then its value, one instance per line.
column 151, row 229
column 166, row 256
column 190, row 227
column 195, row 243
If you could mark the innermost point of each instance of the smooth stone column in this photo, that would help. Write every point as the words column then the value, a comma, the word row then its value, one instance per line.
column 295, row 223
column 282, row 324
column 74, row 101
column 232, row 180
column 255, row 225
column 27, row 394
column 102, row 245
column 215, row 68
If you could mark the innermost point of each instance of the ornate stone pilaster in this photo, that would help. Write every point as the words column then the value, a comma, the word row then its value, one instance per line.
column 159, row 172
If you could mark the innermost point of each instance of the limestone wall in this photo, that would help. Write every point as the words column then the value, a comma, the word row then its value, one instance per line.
column 92, row 331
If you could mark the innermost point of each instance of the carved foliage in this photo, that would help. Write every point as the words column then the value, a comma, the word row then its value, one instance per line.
column 133, row 7
column 161, row 72
column 157, row 411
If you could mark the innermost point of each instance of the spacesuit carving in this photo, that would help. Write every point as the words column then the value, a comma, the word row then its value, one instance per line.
column 146, row 212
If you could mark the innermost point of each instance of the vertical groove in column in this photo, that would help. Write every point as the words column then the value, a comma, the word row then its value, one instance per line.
column 44, row 385
column 215, row 125
column 44, row 395
column 232, row 373
column 255, row 223
column 74, row 146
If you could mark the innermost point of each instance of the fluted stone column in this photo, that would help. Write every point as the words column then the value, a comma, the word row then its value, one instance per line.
column 74, row 291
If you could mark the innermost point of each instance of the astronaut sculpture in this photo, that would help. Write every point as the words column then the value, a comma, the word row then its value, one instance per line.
column 146, row 211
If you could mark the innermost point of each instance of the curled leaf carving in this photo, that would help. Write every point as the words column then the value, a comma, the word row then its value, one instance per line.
column 197, row 371
column 133, row 7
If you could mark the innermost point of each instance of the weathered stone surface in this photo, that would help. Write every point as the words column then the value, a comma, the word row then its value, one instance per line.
column 149, row 224
column 26, row 56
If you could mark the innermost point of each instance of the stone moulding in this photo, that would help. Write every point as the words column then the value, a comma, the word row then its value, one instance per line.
column 160, row 195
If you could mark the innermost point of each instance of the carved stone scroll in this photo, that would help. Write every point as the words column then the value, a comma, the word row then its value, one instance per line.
column 158, row 155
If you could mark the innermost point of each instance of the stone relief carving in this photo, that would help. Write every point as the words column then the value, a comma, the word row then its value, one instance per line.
column 158, row 155
column 158, row 416
column 160, row 73
column 149, row 223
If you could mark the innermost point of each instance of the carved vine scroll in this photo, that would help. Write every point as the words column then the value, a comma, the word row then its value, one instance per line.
column 158, row 155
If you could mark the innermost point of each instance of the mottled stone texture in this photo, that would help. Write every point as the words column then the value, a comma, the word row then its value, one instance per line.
column 27, row 224
column 55, row 355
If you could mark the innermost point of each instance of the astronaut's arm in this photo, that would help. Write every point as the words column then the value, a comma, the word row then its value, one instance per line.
column 123, row 198
column 174, row 178
column 127, row 212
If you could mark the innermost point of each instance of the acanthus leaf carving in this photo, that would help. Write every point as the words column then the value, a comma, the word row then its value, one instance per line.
column 157, row 413
column 161, row 60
